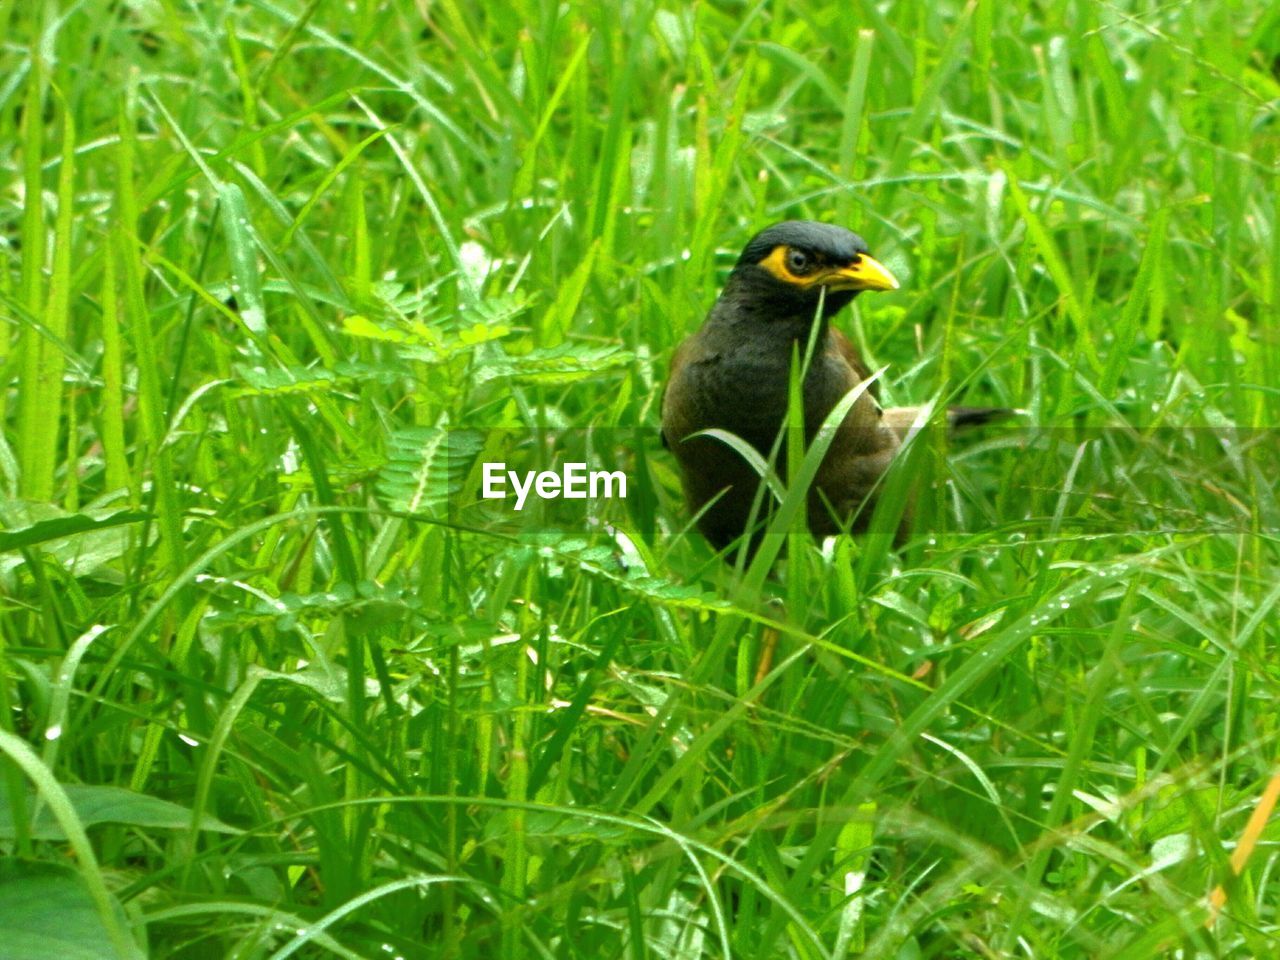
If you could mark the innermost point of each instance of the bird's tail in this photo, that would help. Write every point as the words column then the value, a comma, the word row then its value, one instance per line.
column 902, row 419
column 958, row 418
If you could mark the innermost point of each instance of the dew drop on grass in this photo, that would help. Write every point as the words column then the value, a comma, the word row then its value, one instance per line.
column 54, row 732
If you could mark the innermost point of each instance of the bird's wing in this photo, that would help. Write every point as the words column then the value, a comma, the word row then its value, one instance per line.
column 849, row 353
column 672, row 391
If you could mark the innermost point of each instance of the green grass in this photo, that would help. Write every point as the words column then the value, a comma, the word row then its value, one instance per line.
column 258, row 263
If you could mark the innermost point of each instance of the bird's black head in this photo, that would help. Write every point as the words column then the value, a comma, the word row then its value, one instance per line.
column 789, row 267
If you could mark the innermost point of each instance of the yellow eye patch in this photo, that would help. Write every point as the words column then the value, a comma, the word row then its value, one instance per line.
column 863, row 273
column 776, row 264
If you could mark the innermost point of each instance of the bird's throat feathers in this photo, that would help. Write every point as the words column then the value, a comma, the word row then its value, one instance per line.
column 754, row 303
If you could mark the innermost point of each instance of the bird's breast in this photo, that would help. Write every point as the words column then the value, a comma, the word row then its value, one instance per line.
column 746, row 391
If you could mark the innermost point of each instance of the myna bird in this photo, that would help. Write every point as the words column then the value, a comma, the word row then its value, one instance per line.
column 733, row 375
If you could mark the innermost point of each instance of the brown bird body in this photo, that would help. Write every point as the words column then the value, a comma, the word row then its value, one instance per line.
column 733, row 375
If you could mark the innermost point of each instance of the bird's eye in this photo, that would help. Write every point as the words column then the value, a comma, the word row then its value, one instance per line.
column 798, row 262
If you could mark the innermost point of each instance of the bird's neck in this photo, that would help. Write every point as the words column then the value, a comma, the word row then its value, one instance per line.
column 749, row 302
column 762, row 321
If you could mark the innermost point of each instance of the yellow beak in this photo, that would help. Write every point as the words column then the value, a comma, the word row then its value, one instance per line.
column 865, row 273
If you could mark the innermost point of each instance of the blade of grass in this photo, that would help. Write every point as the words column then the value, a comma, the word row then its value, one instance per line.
column 1057, row 268
column 151, row 411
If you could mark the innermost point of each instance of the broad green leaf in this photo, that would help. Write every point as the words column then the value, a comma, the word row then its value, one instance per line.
column 95, row 804
column 46, row 523
column 46, row 912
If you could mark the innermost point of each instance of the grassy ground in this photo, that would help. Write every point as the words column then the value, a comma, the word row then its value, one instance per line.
column 260, row 696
